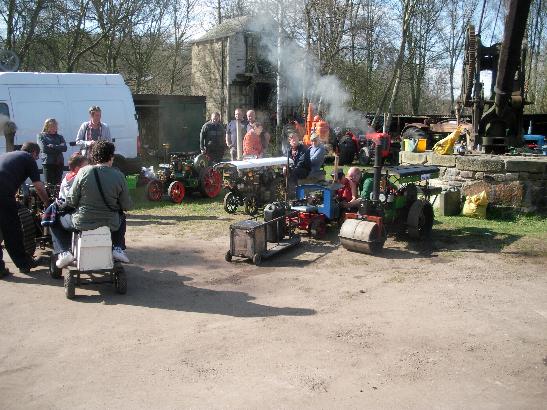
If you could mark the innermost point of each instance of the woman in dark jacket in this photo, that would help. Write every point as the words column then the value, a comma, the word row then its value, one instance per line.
column 52, row 146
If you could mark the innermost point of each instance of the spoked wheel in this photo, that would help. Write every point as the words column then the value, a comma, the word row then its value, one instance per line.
column 278, row 189
column 154, row 190
column 231, row 202
column 120, row 279
column 420, row 219
column 29, row 230
column 176, row 192
column 318, row 228
column 54, row 271
column 251, row 205
column 70, row 285
column 210, row 182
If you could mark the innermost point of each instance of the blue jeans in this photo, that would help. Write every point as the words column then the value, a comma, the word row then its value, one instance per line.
column 61, row 234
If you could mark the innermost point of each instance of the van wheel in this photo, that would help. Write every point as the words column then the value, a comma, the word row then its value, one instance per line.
column 70, row 285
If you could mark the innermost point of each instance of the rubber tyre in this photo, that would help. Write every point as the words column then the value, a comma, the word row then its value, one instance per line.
column 154, row 190
column 420, row 219
column 257, row 259
column 70, row 285
column 346, row 149
column 28, row 228
column 54, row 271
column 231, row 202
column 228, row 256
column 364, row 156
column 120, row 280
column 176, row 192
column 210, row 182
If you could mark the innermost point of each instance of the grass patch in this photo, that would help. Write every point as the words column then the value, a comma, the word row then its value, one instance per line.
column 505, row 223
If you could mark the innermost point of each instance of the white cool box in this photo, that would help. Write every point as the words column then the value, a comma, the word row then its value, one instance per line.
column 93, row 249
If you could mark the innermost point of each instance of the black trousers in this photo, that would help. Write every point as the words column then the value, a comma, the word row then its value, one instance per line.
column 53, row 174
column 10, row 225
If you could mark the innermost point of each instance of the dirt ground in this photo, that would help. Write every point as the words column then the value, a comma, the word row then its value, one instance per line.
column 447, row 324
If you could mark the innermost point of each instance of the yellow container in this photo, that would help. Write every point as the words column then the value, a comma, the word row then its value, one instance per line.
column 421, row 145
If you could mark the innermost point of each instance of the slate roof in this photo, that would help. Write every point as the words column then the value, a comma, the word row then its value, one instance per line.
column 227, row 28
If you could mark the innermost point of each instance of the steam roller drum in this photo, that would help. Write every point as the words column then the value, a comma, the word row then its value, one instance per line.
column 361, row 236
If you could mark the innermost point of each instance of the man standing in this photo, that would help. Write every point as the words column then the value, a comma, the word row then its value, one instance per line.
column 92, row 131
column 231, row 132
column 211, row 138
column 15, row 168
column 264, row 137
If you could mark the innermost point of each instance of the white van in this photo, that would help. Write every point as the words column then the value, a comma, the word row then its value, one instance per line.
column 29, row 98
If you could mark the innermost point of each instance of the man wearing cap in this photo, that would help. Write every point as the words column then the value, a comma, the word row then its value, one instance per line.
column 317, row 157
column 92, row 131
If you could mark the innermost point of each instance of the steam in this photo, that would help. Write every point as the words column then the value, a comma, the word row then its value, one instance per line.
column 300, row 72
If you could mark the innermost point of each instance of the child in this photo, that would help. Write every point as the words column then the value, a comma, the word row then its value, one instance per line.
column 75, row 162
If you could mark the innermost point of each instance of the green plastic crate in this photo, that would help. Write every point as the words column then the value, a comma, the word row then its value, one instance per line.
column 131, row 181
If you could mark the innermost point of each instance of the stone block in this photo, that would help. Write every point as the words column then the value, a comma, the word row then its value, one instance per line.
column 414, row 158
column 466, row 174
column 512, row 176
column 443, row 160
column 480, row 163
column 451, row 173
column 523, row 176
column 479, row 175
column 526, row 165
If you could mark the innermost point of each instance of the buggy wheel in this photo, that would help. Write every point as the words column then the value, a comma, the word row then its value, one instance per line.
column 231, row 202
column 318, row 228
column 29, row 230
column 54, row 271
column 364, row 156
column 228, row 256
column 210, row 182
column 70, row 285
column 257, row 259
column 120, row 280
column 420, row 219
column 251, row 205
column 154, row 190
column 176, row 192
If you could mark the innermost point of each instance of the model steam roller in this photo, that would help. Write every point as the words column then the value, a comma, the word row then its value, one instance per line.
column 398, row 202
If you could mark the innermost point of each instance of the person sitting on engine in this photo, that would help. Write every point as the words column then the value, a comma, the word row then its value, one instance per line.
column 300, row 156
column 317, row 157
column 99, row 196
column 349, row 194
column 75, row 162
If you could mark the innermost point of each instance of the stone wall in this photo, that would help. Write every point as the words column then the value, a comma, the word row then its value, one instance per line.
column 515, row 181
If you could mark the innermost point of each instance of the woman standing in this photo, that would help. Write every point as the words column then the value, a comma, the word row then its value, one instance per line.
column 52, row 146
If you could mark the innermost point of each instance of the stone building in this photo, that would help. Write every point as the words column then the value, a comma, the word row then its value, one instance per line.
column 229, row 68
